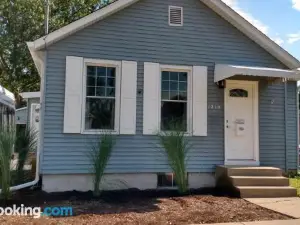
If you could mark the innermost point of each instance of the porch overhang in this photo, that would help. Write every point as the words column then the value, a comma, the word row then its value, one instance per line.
column 223, row 71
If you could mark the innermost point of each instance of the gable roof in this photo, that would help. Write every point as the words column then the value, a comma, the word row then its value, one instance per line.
column 216, row 5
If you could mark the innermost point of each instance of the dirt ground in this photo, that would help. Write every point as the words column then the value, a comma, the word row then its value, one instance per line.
column 136, row 208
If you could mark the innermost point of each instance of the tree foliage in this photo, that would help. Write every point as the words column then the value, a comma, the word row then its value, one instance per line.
column 23, row 20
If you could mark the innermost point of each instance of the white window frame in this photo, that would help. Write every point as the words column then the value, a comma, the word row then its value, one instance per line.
column 189, row 71
column 104, row 63
column 175, row 7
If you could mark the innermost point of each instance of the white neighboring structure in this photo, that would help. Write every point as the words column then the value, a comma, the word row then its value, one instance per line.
column 7, row 97
column 7, row 107
column 32, row 109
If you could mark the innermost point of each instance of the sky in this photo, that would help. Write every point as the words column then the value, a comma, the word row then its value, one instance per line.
column 278, row 19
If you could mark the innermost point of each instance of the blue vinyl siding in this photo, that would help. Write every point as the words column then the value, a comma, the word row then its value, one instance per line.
column 292, row 138
column 141, row 33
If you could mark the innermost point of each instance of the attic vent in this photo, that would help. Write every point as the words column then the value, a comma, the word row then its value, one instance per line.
column 175, row 16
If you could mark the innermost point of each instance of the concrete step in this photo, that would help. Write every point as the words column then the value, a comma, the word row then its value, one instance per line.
column 259, row 181
column 266, row 191
column 254, row 171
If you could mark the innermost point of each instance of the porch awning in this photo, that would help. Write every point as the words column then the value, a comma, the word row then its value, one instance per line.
column 223, row 72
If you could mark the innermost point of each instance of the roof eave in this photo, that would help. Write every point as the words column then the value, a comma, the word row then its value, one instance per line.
column 38, row 57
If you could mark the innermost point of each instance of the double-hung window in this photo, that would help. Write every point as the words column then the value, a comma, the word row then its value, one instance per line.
column 175, row 100
column 102, row 96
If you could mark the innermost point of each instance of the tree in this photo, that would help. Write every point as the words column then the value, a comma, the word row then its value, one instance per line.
column 23, row 20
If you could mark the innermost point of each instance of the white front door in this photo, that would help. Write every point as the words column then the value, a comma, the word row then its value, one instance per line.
column 241, row 123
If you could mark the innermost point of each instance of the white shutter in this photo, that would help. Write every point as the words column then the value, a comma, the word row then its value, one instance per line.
column 151, row 98
column 73, row 94
column 128, row 97
column 199, row 101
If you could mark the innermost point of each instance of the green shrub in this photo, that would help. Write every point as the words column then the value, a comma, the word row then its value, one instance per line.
column 176, row 147
column 26, row 142
column 295, row 182
column 7, row 141
column 99, row 156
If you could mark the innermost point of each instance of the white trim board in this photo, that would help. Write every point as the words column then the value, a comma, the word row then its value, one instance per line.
column 217, row 5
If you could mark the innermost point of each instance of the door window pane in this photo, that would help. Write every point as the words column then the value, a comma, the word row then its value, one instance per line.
column 238, row 93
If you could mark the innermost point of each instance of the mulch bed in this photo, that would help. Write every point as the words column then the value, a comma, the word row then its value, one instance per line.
column 134, row 207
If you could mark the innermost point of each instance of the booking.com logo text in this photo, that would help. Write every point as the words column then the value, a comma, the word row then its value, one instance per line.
column 36, row 212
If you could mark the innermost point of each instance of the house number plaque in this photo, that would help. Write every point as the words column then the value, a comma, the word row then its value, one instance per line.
column 214, row 106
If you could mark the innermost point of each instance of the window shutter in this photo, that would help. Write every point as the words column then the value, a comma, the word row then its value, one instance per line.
column 73, row 94
column 128, row 97
column 151, row 98
column 199, row 101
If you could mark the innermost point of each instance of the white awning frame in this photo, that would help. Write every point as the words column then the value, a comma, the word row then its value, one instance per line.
column 223, row 71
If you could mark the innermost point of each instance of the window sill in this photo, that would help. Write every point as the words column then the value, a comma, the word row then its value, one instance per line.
column 187, row 134
column 99, row 132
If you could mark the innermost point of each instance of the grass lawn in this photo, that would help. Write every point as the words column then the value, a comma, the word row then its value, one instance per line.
column 295, row 182
column 136, row 208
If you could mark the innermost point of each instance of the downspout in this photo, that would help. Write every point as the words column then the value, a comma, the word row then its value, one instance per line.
column 37, row 175
column 285, row 122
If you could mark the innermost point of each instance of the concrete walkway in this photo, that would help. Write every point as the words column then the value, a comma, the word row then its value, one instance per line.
column 287, row 206
column 271, row 222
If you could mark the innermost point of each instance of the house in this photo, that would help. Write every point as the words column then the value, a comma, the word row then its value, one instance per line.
column 149, row 61
column 29, row 116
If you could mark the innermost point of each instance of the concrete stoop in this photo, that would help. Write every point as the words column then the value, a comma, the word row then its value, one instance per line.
column 254, row 182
